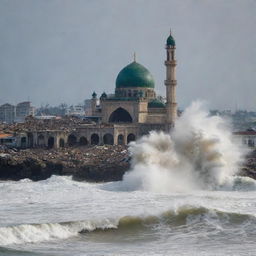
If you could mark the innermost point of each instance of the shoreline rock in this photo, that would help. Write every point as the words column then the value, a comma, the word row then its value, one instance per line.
column 94, row 164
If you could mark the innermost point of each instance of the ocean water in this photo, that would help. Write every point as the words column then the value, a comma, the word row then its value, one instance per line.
column 59, row 216
column 182, row 196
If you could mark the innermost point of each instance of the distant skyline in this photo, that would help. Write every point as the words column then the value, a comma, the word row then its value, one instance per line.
column 55, row 51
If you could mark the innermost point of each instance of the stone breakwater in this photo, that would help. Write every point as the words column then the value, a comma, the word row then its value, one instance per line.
column 96, row 164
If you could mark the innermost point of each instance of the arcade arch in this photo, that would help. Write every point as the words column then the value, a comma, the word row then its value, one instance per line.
column 72, row 140
column 108, row 139
column 83, row 141
column 120, row 115
column 131, row 137
column 95, row 139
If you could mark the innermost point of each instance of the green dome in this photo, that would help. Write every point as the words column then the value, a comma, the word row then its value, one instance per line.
column 134, row 75
column 156, row 104
column 170, row 41
column 103, row 96
column 94, row 95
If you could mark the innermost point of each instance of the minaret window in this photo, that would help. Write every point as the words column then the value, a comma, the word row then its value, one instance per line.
column 168, row 55
column 172, row 53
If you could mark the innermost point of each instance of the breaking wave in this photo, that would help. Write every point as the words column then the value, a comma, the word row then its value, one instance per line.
column 184, row 217
column 200, row 153
column 28, row 233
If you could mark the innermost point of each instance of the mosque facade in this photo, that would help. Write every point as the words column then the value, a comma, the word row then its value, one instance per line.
column 131, row 112
column 134, row 109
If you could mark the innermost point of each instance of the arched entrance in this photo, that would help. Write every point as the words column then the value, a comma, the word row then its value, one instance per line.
column 83, row 141
column 23, row 142
column 130, row 137
column 72, row 140
column 95, row 139
column 40, row 140
column 50, row 142
column 120, row 139
column 61, row 143
column 108, row 139
column 120, row 115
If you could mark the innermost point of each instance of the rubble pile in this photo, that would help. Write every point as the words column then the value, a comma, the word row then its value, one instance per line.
column 66, row 123
column 249, row 167
column 97, row 163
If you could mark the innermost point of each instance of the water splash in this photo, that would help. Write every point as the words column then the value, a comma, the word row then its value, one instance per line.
column 200, row 153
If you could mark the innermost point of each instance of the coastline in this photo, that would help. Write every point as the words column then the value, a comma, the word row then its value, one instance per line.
column 93, row 164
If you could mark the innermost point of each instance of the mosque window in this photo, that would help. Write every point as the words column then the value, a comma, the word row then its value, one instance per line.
column 129, row 93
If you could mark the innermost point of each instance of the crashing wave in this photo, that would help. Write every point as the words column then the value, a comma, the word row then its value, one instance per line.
column 183, row 216
column 200, row 153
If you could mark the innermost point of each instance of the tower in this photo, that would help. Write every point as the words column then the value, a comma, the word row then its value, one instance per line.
column 94, row 103
column 170, row 82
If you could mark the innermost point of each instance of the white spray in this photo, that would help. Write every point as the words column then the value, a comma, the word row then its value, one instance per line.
column 200, row 153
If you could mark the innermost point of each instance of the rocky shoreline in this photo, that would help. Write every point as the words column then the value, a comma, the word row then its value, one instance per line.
column 93, row 164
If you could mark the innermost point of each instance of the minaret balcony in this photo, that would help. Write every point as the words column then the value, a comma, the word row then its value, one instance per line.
column 170, row 47
column 170, row 62
column 170, row 82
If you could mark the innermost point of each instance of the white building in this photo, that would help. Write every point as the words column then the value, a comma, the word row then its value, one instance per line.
column 87, row 107
column 23, row 110
column 77, row 110
column 7, row 113
column 247, row 137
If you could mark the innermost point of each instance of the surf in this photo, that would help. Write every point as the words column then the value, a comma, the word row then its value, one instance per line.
column 199, row 153
column 184, row 216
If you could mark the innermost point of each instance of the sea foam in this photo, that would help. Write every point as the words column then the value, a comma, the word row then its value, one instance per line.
column 200, row 153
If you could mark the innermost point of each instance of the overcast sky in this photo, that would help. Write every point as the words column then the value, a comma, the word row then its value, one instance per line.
column 54, row 51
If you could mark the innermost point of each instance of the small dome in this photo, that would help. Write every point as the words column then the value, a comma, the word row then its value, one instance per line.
column 103, row 95
column 94, row 95
column 170, row 41
column 156, row 104
column 134, row 75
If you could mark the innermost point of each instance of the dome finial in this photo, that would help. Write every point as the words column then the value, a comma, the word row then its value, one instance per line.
column 170, row 40
column 134, row 56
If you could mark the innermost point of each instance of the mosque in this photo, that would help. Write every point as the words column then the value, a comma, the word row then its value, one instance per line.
column 134, row 110
column 131, row 112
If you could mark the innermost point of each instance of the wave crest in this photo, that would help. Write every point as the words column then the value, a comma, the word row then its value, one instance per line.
column 184, row 216
column 200, row 153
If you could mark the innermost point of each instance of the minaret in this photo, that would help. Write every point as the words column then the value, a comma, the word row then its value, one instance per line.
column 170, row 82
column 94, row 103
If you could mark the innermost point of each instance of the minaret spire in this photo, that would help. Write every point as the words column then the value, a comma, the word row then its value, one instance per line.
column 170, row 82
